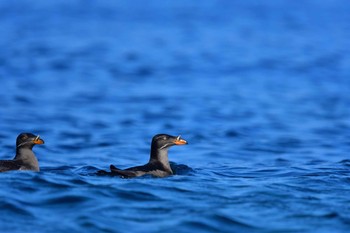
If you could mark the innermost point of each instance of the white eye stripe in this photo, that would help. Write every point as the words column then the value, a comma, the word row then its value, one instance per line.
column 163, row 146
column 22, row 144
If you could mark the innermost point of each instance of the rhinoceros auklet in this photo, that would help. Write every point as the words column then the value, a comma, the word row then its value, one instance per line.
column 158, row 164
column 25, row 158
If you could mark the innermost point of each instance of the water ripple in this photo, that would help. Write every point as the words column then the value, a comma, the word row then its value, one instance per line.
column 263, row 102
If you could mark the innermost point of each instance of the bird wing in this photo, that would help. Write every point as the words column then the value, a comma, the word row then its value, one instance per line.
column 9, row 165
column 147, row 169
column 153, row 169
column 118, row 172
column 124, row 173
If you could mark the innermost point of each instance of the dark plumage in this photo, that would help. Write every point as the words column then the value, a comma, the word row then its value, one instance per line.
column 25, row 158
column 158, row 164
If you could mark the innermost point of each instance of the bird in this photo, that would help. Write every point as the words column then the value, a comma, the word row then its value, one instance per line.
column 158, row 164
column 25, row 158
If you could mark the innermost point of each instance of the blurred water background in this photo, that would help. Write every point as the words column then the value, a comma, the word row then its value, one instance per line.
column 260, row 89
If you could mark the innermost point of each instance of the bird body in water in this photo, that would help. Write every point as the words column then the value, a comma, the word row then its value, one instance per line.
column 158, row 164
column 25, row 158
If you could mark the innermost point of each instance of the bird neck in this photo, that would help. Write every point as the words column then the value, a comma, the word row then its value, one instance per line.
column 160, row 155
column 27, row 156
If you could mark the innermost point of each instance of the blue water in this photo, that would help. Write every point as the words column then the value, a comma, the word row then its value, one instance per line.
column 260, row 89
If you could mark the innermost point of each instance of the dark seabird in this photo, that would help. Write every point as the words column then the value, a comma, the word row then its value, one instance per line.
column 25, row 158
column 158, row 164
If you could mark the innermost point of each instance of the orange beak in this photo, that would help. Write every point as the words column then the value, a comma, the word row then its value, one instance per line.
column 180, row 141
column 38, row 140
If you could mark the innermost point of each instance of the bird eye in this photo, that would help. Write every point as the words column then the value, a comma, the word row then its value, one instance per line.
column 24, row 137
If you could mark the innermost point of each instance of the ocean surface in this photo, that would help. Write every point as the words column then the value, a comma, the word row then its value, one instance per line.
column 259, row 89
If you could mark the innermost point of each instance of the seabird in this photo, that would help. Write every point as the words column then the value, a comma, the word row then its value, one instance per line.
column 25, row 158
column 158, row 165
